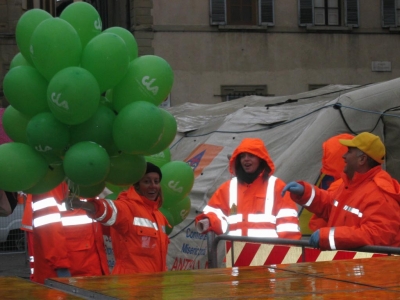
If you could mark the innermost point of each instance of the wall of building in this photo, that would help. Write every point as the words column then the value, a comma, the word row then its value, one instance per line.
column 286, row 57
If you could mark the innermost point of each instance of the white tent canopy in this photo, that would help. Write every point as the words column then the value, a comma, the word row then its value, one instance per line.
column 293, row 129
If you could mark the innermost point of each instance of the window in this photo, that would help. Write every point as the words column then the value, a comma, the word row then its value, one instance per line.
column 390, row 13
column 231, row 92
column 242, row 12
column 328, row 12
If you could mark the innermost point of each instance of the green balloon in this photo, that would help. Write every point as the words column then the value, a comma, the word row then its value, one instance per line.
column 128, row 38
column 84, row 18
column 47, row 135
column 19, row 60
column 86, row 163
column 149, row 78
column 97, row 129
column 26, row 25
column 116, row 189
column 55, row 45
column 170, row 219
column 21, row 167
column 73, row 95
column 177, row 182
column 88, row 191
column 25, row 89
column 169, row 132
column 138, row 127
column 106, row 57
column 106, row 101
column 126, row 169
column 112, row 196
column 180, row 210
column 14, row 124
column 160, row 158
column 54, row 176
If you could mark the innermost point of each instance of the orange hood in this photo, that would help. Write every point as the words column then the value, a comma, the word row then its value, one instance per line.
column 254, row 146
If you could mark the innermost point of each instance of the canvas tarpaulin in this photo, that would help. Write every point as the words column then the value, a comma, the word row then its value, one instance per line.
column 293, row 129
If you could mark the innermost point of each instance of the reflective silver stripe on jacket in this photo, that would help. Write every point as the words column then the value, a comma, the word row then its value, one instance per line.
column 331, row 238
column 311, row 199
column 223, row 219
column 267, row 216
column 114, row 212
column 49, row 218
column 144, row 223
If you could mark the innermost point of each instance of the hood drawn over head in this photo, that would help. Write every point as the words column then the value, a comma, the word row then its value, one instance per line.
column 254, row 146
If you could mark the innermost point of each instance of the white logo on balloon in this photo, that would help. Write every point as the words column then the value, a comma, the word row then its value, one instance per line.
column 45, row 149
column 147, row 84
column 174, row 186
column 97, row 24
column 55, row 99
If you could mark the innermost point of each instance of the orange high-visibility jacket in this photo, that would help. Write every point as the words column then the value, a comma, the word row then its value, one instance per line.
column 362, row 211
column 65, row 239
column 256, row 209
column 138, row 234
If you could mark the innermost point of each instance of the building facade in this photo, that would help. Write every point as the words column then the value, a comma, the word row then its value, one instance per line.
column 223, row 49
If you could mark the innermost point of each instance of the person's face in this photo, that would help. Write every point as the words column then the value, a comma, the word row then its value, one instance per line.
column 352, row 158
column 149, row 186
column 249, row 162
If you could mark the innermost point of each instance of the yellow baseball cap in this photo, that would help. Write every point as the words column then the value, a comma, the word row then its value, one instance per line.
column 368, row 143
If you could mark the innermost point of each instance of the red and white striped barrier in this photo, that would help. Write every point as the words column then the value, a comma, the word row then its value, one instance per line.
column 251, row 254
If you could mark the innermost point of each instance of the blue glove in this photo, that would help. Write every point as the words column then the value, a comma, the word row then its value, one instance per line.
column 293, row 187
column 314, row 239
column 63, row 272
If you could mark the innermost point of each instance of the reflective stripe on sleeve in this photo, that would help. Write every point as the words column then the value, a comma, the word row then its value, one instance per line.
column 310, row 201
column 288, row 227
column 286, row 212
column 332, row 238
column 114, row 212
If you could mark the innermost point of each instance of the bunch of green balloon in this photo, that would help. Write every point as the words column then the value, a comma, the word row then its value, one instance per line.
column 62, row 116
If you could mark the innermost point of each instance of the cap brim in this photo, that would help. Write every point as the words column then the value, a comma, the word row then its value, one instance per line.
column 348, row 143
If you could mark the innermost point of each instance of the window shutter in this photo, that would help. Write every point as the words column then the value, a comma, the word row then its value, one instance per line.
column 352, row 13
column 388, row 13
column 266, row 12
column 305, row 12
column 218, row 12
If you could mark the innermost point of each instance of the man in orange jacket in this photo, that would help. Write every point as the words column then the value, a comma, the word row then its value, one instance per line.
column 250, row 204
column 364, row 209
column 65, row 243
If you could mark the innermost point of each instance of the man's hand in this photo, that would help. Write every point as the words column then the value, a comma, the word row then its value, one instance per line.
column 73, row 202
column 314, row 239
column 293, row 187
